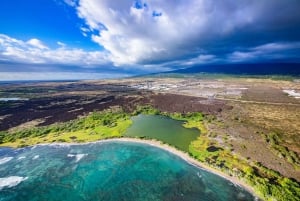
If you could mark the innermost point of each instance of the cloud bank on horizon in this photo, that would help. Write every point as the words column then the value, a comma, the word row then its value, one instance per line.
column 157, row 35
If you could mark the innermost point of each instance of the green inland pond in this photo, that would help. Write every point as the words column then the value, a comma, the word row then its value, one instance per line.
column 108, row 171
column 164, row 129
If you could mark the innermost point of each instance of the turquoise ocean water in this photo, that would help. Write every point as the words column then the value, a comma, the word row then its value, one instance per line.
column 107, row 171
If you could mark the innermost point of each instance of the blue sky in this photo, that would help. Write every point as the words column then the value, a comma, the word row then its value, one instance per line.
column 73, row 39
column 48, row 20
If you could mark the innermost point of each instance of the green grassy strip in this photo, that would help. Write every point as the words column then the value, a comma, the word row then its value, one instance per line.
column 96, row 126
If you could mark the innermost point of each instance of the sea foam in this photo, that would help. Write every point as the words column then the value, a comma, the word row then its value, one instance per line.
column 77, row 156
column 5, row 160
column 21, row 157
column 8, row 182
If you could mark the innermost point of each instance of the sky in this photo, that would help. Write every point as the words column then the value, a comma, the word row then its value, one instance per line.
column 95, row 39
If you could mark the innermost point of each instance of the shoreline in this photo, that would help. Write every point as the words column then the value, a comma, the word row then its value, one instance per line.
column 186, row 157
column 159, row 144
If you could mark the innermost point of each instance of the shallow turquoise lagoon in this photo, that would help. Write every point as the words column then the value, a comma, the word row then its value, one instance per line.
column 107, row 171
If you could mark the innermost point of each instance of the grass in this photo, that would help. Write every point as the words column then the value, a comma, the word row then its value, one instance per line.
column 96, row 126
column 83, row 135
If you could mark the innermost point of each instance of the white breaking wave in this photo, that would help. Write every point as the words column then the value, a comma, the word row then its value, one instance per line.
column 77, row 156
column 199, row 175
column 8, row 182
column 21, row 157
column 5, row 160
column 33, row 147
column 35, row 157
column 58, row 145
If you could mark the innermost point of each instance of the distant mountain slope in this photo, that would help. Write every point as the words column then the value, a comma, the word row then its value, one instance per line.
column 292, row 69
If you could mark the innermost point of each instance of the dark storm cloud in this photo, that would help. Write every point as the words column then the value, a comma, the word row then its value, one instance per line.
column 187, row 29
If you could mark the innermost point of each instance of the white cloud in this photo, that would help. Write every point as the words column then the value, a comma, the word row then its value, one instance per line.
column 34, row 51
column 134, row 35
column 84, row 31
column 238, row 56
column 160, row 31
column 70, row 2
column 61, row 44
column 201, row 59
column 12, row 76
column 272, row 47
column 265, row 51
column 36, row 44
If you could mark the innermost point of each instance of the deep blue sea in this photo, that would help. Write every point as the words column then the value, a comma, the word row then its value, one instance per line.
column 124, row 171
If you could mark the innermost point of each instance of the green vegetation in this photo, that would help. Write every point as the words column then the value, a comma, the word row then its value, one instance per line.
column 220, row 76
column 96, row 126
column 268, row 184
column 2, row 135
column 146, row 109
column 274, row 140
